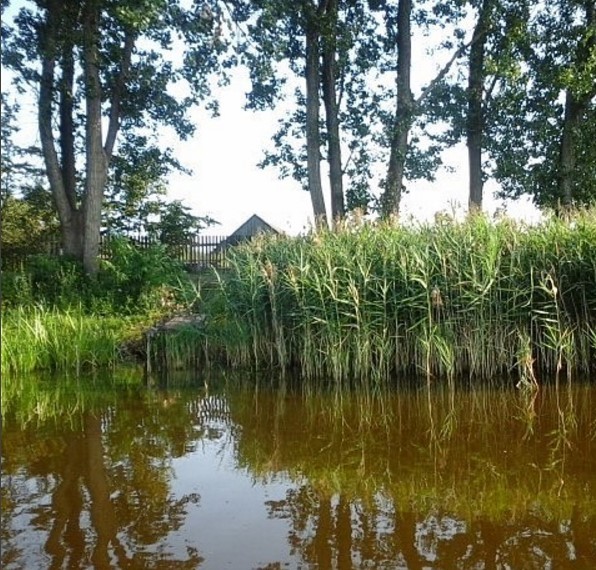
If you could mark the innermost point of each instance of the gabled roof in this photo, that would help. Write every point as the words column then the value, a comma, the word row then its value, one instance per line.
column 253, row 225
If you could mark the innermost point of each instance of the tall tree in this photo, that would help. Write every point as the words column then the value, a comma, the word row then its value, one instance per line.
column 477, row 110
column 406, row 157
column 344, row 51
column 101, row 67
column 310, row 21
column 329, row 79
column 10, row 152
column 528, row 112
column 579, row 82
column 403, row 112
column 475, row 103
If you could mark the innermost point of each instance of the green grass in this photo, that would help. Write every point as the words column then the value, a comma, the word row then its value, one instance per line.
column 38, row 338
column 369, row 303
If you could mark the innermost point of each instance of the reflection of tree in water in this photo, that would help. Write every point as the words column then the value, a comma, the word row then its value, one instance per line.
column 372, row 487
column 102, row 494
column 336, row 532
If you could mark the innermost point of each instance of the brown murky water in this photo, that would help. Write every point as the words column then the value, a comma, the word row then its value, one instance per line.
column 228, row 476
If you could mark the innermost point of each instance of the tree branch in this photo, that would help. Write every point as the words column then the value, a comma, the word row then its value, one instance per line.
column 46, row 96
column 115, row 110
column 439, row 77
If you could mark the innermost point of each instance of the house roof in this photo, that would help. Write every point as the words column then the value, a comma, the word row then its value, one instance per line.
column 253, row 225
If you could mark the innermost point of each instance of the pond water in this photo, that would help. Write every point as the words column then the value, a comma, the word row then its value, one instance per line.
column 231, row 474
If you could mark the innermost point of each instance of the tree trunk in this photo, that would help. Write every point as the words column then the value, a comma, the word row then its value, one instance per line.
column 96, row 162
column 391, row 199
column 70, row 217
column 72, row 233
column 331, row 109
column 567, row 148
column 313, row 136
column 475, row 118
column 80, row 223
column 574, row 109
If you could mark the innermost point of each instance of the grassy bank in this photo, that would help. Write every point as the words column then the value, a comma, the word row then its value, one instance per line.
column 366, row 303
column 476, row 299
column 55, row 317
column 38, row 338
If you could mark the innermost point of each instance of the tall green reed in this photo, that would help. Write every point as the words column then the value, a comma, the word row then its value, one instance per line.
column 368, row 303
column 39, row 338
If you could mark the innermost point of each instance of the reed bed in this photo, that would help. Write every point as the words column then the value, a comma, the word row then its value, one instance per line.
column 39, row 338
column 368, row 303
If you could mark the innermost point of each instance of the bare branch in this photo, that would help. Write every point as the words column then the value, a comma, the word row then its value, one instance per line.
column 426, row 91
column 115, row 110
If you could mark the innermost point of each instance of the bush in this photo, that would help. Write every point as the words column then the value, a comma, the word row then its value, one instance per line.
column 16, row 289
column 135, row 277
column 56, row 281
column 130, row 280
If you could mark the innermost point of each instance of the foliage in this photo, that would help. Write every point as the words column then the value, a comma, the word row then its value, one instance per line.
column 537, row 81
column 551, row 96
column 365, row 38
column 136, row 196
column 28, row 216
column 55, row 281
column 276, row 54
column 18, row 168
column 138, row 279
column 132, row 280
column 176, row 224
column 29, row 225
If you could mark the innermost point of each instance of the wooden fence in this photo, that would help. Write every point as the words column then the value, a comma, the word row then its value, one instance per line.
column 196, row 253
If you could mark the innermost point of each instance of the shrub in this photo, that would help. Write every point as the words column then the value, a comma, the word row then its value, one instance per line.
column 58, row 281
column 130, row 280
column 136, row 277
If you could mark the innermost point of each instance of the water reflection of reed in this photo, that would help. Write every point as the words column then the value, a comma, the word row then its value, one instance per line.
column 499, row 452
column 373, row 479
column 38, row 399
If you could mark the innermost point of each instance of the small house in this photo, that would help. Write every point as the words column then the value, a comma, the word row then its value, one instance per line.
column 254, row 226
